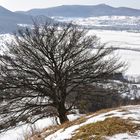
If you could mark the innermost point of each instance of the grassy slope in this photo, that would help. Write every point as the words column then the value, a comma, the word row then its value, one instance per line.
column 97, row 125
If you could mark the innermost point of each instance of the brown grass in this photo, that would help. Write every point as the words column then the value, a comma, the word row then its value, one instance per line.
column 108, row 127
column 52, row 129
column 44, row 133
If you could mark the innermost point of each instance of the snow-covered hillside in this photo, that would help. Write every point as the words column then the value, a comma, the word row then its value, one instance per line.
column 110, row 31
column 128, row 115
column 114, row 124
column 20, row 132
column 130, row 42
column 129, row 23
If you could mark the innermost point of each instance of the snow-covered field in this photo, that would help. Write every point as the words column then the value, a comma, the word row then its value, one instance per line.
column 102, row 20
column 125, row 136
column 130, row 23
column 126, row 40
column 122, row 39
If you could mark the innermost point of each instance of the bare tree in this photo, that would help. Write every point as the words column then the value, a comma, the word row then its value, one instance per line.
column 45, row 66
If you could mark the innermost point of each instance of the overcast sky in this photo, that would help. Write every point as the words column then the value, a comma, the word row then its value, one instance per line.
column 15, row 5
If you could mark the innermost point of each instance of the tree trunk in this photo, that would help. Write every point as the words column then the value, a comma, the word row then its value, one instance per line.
column 62, row 114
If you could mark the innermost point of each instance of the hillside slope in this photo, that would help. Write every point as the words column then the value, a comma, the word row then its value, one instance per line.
column 9, row 20
column 109, row 124
column 83, row 11
column 117, row 124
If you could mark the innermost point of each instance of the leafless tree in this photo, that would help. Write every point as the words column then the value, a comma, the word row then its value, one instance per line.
column 45, row 66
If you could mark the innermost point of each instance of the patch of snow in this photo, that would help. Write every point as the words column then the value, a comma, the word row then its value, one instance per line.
column 125, row 136
column 19, row 133
column 63, row 134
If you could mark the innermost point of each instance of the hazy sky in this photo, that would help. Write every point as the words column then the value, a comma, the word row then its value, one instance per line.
column 14, row 5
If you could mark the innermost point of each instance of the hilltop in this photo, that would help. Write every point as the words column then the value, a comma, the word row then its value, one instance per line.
column 110, row 124
column 9, row 20
column 83, row 11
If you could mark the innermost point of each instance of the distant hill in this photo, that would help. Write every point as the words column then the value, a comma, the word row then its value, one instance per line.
column 9, row 20
column 83, row 11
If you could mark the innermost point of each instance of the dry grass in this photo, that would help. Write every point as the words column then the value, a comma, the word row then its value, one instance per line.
column 108, row 127
column 52, row 129
column 33, row 132
column 46, row 132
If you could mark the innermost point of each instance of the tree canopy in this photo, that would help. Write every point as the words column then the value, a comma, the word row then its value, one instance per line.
column 46, row 65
